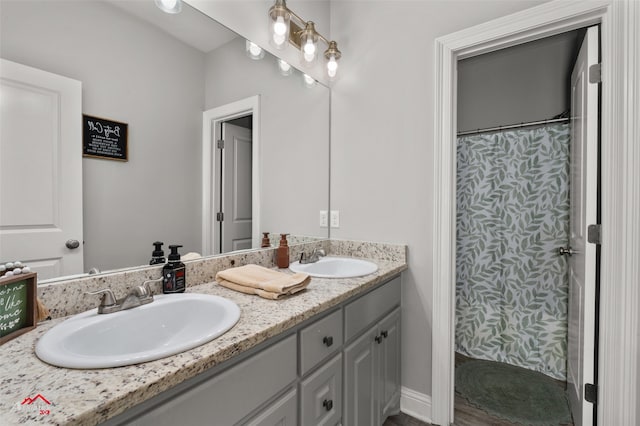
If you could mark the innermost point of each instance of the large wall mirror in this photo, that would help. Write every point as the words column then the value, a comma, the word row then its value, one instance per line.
column 160, row 74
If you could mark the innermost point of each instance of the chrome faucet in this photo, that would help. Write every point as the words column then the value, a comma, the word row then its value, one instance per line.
column 315, row 255
column 139, row 295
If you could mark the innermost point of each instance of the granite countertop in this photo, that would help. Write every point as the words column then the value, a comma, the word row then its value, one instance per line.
column 89, row 397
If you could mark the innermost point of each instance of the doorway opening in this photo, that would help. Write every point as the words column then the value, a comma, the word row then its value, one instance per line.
column 513, row 215
column 231, row 169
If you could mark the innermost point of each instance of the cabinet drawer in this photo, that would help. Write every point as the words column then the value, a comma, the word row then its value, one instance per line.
column 319, row 340
column 283, row 412
column 228, row 397
column 361, row 313
column 321, row 395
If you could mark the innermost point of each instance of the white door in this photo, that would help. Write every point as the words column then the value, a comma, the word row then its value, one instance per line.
column 40, row 170
column 582, row 263
column 236, row 188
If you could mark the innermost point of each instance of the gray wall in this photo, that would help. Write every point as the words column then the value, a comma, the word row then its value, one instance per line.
column 524, row 83
column 382, row 141
column 130, row 72
column 294, row 128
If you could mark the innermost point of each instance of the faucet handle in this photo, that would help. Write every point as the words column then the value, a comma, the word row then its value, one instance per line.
column 107, row 299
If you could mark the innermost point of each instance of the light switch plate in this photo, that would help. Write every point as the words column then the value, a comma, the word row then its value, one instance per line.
column 335, row 218
column 324, row 219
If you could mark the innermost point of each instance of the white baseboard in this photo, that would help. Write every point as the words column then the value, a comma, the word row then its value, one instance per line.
column 415, row 404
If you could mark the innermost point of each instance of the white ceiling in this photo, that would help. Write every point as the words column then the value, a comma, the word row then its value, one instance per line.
column 189, row 26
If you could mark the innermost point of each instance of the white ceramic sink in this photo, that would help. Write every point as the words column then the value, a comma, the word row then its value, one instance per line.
column 336, row 267
column 168, row 325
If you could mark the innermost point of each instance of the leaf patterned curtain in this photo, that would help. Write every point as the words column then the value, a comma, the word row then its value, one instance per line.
column 512, row 215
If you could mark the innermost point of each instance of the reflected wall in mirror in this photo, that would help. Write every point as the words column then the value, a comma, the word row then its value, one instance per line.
column 133, row 70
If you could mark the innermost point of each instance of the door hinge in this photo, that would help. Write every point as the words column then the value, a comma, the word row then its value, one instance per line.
column 594, row 234
column 595, row 73
column 591, row 393
column 220, row 143
column 220, row 217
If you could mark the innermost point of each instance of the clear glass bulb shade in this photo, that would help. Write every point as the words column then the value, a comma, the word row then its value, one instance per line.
column 279, row 29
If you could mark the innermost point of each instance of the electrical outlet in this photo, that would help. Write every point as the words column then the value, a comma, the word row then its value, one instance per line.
column 335, row 218
column 324, row 219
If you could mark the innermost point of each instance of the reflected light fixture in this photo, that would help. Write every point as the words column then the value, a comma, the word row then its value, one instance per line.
column 308, row 80
column 253, row 50
column 285, row 25
column 284, row 67
column 169, row 6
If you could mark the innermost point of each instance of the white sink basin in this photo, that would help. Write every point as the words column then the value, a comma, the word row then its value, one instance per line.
column 336, row 267
column 168, row 325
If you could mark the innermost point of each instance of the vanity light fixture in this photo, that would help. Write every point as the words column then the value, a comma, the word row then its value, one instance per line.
column 285, row 25
column 253, row 50
column 169, row 6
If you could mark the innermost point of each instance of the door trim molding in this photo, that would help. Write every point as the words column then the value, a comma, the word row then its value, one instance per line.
column 210, row 120
column 620, row 188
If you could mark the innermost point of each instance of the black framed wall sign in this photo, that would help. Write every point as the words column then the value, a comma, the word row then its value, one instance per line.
column 102, row 138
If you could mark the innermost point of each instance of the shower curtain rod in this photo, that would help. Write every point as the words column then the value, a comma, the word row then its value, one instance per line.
column 513, row 126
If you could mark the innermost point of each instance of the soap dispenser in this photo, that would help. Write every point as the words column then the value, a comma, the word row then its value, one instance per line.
column 266, row 242
column 282, row 252
column 173, row 273
column 158, row 255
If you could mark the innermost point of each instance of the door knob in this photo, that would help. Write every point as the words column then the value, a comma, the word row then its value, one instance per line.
column 565, row 251
column 72, row 244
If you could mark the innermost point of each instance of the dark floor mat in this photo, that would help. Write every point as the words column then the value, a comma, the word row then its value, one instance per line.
column 513, row 393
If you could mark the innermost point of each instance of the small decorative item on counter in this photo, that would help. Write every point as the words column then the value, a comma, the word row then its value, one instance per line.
column 282, row 252
column 174, row 273
column 265, row 240
column 10, row 269
column 157, row 256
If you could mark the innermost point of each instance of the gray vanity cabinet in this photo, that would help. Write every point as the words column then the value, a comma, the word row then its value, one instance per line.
column 339, row 368
column 282, row 412
column 372, row 360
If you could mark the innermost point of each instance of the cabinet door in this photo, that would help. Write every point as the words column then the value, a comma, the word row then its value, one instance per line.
column 321, row 395
column 360, row 374
column 389, row 364
column 283, row 412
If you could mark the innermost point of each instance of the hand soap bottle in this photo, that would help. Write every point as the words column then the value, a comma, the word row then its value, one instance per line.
column 158, row 255
column 266, row 242
column 173, row 273
column 282, row 252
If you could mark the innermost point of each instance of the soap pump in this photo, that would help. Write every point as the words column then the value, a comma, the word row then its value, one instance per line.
column 173, row 273
column 266, row 242
column 282, row 252
column 158, row 255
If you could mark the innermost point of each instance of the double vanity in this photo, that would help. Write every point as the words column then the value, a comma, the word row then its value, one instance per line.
column 328, row 355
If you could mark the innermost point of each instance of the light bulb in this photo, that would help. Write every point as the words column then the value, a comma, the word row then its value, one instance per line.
column 308, row 80
column 279, row 27
column 309, row 48
column 278, row 39
column 254, row 51
column 284, row 66
column 332, row 65
column 169, row 6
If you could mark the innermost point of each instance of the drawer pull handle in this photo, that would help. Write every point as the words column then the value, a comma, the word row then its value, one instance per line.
column 327, row 340
column 384, row 334
column 378, row 339
column 327, row 404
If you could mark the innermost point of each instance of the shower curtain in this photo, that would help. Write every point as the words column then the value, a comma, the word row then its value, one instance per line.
column 512, row 216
